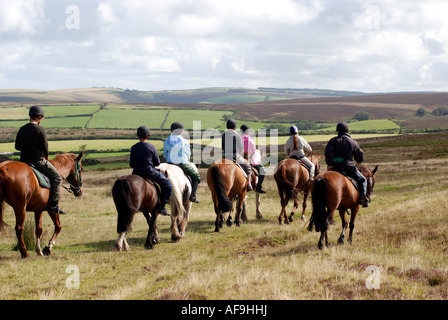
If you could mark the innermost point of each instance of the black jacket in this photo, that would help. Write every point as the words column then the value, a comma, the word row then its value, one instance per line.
column 341, row 151
column 31, row 141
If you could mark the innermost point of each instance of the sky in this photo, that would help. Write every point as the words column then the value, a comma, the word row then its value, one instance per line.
column 368, row 46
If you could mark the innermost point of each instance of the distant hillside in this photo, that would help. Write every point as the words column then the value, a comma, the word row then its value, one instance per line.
column 203, row 96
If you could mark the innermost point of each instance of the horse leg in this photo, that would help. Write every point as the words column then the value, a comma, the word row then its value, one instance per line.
column 184, row 222
column 151, row 239
column 38, row 220
column 283, row 203
column 229, row 221
column 175, row 236
column 239, row 208
column 243, row 211
column 352, row 223
column 20, row 222
column 121, row 244
column 258, row 215
column 305, row 198
column 344, row 226
column 57, row 229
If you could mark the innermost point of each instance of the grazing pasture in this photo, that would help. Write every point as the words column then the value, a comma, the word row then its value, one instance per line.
column 399, row 249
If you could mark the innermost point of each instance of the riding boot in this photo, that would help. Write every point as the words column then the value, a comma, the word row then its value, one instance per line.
column 163, row 211
column 194, row 187
column 249, row 184
column 259, row 188
column 54, row 208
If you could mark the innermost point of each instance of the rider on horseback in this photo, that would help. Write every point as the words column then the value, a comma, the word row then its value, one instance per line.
column 176, row 150
column 250, row 154
column 295, row 148
column 143, row 160
column 232, row 147
column 31, row 141
column 339, row 155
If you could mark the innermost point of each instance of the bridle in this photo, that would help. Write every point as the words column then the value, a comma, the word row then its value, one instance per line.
column 77, row 177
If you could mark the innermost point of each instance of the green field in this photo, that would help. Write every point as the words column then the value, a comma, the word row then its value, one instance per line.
column 209, row 119
column 124, row 118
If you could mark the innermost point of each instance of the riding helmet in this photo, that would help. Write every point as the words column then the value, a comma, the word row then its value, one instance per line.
column 177, row 125
column 342, row 127
column 293, row 130
column 231, row 124
column 143, row 132
column 244, row 127
column 36, row 111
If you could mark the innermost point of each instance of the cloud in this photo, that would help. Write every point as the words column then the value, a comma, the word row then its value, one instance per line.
column 174, row 44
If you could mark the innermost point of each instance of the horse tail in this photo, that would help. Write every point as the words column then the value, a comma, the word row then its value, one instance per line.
column 2, row 197
column 224, row 203
column 283, row 184
column 320, row 213
column 176, row 199
column 122, row 195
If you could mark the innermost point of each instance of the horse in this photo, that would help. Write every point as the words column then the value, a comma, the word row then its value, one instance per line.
column 132, row 194
column 333, row 191
column 19, row 187
column 226, row 180
column 180, row 203
column 291, row 178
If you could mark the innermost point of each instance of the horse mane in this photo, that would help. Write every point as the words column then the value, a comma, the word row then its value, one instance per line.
column 363, row 169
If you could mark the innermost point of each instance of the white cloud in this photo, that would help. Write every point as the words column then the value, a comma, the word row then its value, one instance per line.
column 172, row 44
column 22, row 17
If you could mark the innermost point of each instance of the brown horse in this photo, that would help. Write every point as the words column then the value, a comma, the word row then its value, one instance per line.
column 333, row 191
column 132, row 194
column 20, row 189
column 226, row 180
column 291, row 178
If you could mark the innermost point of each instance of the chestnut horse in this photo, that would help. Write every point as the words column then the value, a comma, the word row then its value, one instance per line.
column 291, row 178
column 333, row 191
column 20, row 189
column 226, row 180
column 132, row 194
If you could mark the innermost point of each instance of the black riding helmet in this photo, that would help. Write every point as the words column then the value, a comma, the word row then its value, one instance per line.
column 342, row 127
column 177, row 125
column 231, row 124
column 244, row 127
column 36, row 111
column 143, row 132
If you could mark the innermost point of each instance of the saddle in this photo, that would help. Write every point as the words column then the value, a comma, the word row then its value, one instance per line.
column 239, row 166
column 353, row 181
column 44, row 181
column 300, row 161
column 156, row 186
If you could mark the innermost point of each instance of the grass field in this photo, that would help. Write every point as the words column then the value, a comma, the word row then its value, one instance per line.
column 402, row 236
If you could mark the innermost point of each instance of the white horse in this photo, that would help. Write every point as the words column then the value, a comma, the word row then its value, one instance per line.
column 180, row 203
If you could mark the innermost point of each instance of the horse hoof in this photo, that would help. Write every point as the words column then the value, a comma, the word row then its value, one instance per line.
column 229, row 223
column 290, row 219
column 340, row 241
column 47, row 251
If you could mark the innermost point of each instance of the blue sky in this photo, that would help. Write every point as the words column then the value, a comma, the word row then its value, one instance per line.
column 370, row 46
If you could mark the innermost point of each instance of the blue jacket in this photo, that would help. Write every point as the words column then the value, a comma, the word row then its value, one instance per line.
column 176, row 149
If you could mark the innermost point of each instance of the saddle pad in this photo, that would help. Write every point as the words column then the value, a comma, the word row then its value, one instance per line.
column 44, row 182
column 353, row 181
column 244, row 172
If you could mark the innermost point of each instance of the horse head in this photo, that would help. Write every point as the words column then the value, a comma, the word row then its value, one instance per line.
column 74, row 177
